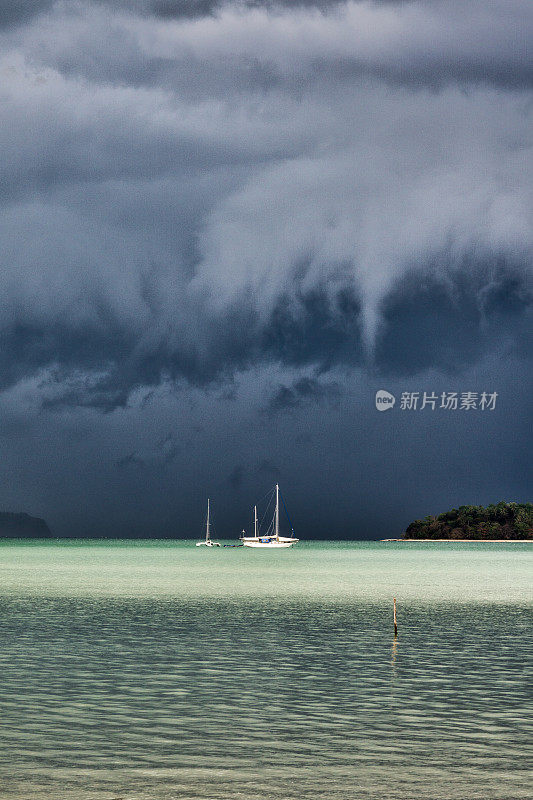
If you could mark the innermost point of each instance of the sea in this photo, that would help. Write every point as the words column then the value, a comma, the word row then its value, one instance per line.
column 154, row 670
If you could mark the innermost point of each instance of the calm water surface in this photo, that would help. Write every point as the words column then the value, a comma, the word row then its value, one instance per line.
column 161, row 670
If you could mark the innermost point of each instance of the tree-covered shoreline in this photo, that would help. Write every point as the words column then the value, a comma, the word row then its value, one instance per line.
column 501, row 521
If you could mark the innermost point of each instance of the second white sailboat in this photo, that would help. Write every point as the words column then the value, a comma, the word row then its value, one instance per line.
column 272, row 539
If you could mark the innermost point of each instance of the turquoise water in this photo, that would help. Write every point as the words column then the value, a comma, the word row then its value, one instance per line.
column 161, row 670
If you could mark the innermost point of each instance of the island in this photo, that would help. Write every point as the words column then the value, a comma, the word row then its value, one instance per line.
column 503, row 522
column 22, row 526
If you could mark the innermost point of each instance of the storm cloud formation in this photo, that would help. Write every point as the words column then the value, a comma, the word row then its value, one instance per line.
column 318, row 193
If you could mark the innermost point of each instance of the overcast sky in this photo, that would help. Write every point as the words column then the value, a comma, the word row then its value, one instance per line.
column 226, row 225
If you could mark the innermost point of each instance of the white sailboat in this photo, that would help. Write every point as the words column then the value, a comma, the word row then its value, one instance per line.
column 208, row 542
column 272, row 538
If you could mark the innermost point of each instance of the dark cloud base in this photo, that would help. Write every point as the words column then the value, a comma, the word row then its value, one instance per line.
column 433, row 320
column 432, row 323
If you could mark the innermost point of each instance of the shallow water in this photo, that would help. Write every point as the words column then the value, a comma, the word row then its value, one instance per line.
column 161, row 670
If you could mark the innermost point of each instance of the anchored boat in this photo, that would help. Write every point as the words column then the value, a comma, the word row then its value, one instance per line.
column 272, row 538
column 208, row 542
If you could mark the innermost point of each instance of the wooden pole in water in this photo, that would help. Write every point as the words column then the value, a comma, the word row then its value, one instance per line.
column 395, row 625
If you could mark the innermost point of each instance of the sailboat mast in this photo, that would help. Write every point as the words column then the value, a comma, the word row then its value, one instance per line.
column 255, row 521
column 207, row 523
column 277, row 511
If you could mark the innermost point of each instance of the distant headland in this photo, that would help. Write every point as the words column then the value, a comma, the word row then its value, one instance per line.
column 22, row 526
column 503, row 522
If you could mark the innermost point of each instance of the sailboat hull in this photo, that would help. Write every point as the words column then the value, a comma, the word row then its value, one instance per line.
column 268, row 545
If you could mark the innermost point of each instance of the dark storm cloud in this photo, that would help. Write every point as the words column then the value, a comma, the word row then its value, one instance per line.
column 429, row 322
column 266, row 469
column 446, row 322
column 214, row 209
column 183, row 9
column 180, row 9
column 193, row 189
column 304, row 390
column 162, row 454
column 207, row 47
column 236, row 477
column 16, row 12
column 130, row 458
column 114, row 361
column 167, row 448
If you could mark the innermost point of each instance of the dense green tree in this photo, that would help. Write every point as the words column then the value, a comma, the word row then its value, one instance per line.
column 500, row 521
